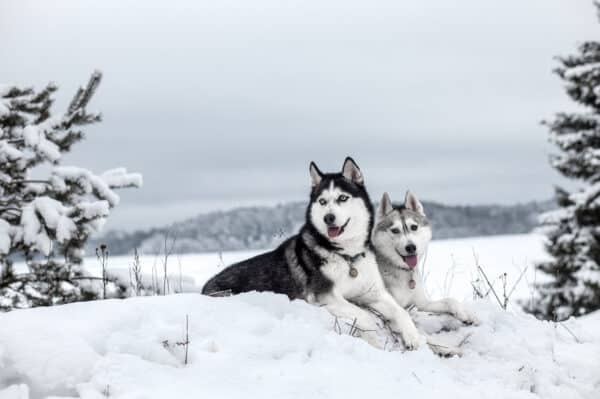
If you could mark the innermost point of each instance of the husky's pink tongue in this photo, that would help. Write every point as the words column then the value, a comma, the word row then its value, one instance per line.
column 411, row 260
column 333, row 231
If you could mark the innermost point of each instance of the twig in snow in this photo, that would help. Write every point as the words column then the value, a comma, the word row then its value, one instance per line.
column 135, row 274
column 491, row 286
column 417, row 378
column 185, row 343
column 336, row 326
column 102, row 255
column 353, row 328
column 570, row 332
column 518, row 281
column 180, row 275
column 449, row 277
column 155, row 281
column 167, row 253
column 187, row 338
column 464, row 340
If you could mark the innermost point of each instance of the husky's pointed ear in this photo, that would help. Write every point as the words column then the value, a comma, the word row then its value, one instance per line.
column 412, row 202
column 315, row 175
column 352, row 172
column 385, row 206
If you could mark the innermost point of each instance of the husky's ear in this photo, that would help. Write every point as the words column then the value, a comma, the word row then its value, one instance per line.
column 315, row 175
column 385, row 206
column 351, row 171
column 412, row 202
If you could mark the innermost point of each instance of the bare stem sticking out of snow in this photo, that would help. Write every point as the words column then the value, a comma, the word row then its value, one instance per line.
column 562, row 324
column 135, row 274
column 417, row 378
column 185, row 343
column 506, row 293
column 168, row 250
column 102, row 255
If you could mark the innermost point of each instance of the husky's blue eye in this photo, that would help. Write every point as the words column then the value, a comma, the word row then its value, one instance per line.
column 414, row 227
column 323, row 202
column 343, row 198
column 395, row 230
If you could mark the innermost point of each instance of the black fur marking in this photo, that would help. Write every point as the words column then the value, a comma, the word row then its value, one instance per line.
column 264, row 272
column 271, row 272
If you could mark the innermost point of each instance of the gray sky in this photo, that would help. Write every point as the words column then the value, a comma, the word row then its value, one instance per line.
column 224, row 103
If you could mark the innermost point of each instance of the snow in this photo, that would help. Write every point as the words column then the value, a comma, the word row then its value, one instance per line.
column 578, row 72
column 37, row 140
column 90, row 210
column 90, row 183
column 5, row 236
column 119, row 177
column 4, row 109
column 9, row 153
column 54, row 216
column 262, row 345
column 87, row 181
column 15, row 392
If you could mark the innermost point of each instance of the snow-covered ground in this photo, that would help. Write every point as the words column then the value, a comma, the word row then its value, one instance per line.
column 264, row 346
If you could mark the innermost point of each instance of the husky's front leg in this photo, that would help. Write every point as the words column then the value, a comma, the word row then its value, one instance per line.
column 339, row 306
column 449, row 306
column 398, row 318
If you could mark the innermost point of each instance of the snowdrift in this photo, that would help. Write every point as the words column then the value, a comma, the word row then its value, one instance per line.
column 264, row 346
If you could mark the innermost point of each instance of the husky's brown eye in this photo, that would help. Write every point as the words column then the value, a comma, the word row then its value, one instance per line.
column 323, row 202
column 395, row 230
column 343, row 198
column 414, row 227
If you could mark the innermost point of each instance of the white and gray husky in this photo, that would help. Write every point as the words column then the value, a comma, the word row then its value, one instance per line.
column 400, row 237
column 330, row 262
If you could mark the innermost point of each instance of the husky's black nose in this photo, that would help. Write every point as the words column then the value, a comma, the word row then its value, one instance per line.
column 411, row 248
column 329, row 219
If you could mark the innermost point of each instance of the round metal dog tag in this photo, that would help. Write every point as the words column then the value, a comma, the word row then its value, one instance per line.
column 353, row 272
column 412, row 284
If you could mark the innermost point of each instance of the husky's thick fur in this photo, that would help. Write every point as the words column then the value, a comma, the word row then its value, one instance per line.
column 329, row 262
column 400, row 237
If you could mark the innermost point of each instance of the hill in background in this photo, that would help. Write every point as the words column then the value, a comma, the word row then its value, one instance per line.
column 265, row 226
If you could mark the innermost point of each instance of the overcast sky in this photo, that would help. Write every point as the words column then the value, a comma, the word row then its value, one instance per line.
column 224, row 103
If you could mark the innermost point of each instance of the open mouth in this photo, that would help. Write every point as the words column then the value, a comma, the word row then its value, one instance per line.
column 336, row 231
column 410, row 260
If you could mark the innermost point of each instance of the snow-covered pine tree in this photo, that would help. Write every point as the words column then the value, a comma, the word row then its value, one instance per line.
column 46, row 222
column 571, row 283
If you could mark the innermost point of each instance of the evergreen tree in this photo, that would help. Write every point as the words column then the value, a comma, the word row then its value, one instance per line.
column 46, row 222
column 571, row 282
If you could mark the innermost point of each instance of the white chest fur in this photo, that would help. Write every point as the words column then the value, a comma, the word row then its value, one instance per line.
column 365, row 286
column 397, row 281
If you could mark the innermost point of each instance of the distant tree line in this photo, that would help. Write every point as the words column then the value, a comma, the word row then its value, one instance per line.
column 265, row 226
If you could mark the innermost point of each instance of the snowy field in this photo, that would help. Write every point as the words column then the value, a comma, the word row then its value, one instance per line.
column 264, row 346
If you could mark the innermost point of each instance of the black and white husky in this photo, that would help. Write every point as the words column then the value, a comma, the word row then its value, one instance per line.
column 400, row 237
column 329, row 262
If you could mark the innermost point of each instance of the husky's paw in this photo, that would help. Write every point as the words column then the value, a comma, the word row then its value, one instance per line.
column 466, row 316
column 411, row 338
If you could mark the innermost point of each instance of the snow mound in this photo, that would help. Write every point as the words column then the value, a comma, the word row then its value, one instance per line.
column 264, row 346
